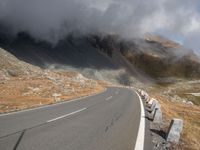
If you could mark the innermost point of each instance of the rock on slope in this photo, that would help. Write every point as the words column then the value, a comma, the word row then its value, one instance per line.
column 11, row 66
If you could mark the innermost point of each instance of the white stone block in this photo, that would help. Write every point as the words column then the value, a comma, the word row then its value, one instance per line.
column 144, row 95
column 155, row 104
column 149, row 103
column 157, row 118
column 175, row 130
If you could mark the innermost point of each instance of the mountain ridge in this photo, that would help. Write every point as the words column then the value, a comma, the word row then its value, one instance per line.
column 109, row 57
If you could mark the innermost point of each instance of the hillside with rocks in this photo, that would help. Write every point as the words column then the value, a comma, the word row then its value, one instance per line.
column 23, row 85
column 10, row 66
column 72, row 54
column 154, row 56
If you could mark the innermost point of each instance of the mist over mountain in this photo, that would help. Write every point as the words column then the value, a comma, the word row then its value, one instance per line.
column 108, row 56
column 105, row 39
column 52, row 20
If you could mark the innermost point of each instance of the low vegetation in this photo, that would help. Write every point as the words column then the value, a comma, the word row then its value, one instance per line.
column 30, row 91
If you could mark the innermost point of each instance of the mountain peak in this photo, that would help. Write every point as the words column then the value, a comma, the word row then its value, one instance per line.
column 161, row 40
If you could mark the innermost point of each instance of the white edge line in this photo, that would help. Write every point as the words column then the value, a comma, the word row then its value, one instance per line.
column 66, row 115
column 139, row 145
column 108, row 98
column 50, row 105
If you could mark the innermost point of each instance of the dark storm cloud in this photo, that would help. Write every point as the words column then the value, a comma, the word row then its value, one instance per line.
column 53, row 19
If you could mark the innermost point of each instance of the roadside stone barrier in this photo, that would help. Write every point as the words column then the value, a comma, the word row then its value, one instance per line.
column 157, row 118
column 149, row 103
column 174, row 131
column 155, row 104
column 144, row 95
column 155, row 113
column 139, row 91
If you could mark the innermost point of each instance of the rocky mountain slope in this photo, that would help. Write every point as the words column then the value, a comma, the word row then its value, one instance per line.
column 108, row 57
column 156, row 56
column 72, row 54
column 11, row 66
column 23, row 85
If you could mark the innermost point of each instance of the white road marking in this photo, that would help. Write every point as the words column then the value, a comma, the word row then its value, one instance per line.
column 50, row 105
column 141, row 132
column 72, row 113
column 108, row 98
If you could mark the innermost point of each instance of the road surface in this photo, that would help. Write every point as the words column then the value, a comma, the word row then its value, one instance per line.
column 106, row 121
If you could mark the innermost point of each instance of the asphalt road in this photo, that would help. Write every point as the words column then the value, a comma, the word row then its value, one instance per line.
column 106, row 121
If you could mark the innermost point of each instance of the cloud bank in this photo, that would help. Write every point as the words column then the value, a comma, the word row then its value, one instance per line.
column 53, row 19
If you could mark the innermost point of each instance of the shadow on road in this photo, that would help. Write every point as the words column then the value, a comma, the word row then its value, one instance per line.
column 19, row 140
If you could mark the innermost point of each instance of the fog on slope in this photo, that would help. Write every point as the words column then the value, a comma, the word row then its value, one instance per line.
column 108, row 57
column 52, row 20
column 72, row 54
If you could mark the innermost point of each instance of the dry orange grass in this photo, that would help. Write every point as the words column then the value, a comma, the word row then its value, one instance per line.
column 25, row 92
column 190, row 138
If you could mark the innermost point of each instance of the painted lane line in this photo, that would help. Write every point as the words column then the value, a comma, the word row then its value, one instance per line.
column 141, row 132
column 72, row 113
column 108, row 98
column 37, row 125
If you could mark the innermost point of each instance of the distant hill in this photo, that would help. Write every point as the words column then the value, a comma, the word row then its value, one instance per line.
column 159, row 57
column 155, row 56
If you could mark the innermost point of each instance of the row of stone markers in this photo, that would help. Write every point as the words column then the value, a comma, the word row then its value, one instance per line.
column 153, row 108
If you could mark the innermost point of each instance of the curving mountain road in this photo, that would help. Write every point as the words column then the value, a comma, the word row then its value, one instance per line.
column 106, row 121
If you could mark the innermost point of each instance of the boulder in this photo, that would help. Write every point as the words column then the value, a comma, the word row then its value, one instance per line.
column 56, row 96
column 190, row 103
column 13, row 72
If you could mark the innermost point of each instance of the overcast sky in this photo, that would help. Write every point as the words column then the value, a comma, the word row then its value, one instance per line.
column 53, row 19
